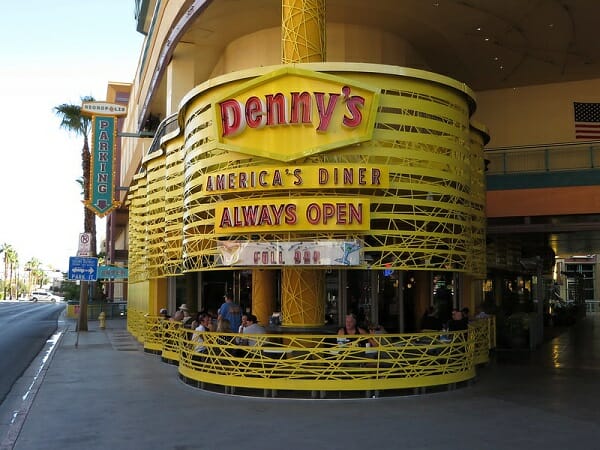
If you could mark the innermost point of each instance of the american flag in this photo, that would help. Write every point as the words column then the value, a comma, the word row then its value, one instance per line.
column 587, row 120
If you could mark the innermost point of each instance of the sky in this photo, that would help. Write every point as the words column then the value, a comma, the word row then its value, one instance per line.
column 54, row 53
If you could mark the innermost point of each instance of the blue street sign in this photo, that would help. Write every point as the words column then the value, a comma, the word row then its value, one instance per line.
column 83, row 268
column 111, row 272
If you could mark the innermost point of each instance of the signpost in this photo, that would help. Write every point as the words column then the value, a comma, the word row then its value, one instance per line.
column 83, row 268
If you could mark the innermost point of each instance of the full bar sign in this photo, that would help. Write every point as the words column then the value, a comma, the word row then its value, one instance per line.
column 102, row 170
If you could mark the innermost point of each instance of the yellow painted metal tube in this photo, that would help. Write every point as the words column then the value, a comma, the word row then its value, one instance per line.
column 303, row 31
column 153, row 340
column 303, row 291
column 322, row 363
column 263, row 294
column 173, row 335
column 479, row 330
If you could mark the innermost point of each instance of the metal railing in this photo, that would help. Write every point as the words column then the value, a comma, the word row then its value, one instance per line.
column 317, row 364
column 543, row 158
column 592, row 306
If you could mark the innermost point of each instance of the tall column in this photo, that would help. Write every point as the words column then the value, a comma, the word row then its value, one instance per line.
column 303, row 31
column 263, row 294
column 303, row 40
column 303, row 302
column 157, row 295
column 423, row 297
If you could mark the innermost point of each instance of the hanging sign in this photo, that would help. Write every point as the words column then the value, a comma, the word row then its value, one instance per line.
column 295, row 254
column 103, row 155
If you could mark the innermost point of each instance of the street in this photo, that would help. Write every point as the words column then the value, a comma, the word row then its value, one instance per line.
column 24, row 329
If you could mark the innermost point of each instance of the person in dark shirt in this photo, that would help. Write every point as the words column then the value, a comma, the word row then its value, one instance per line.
column 430, row 320
column 458, row 322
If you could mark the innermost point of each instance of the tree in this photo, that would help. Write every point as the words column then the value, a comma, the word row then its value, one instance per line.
column 73, row 121
column 4, row 249
column 11, row 258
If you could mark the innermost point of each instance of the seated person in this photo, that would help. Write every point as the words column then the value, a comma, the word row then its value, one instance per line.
column 164, row 314
column 205, row 325
column 430, row 320
column 187, row 317
column 252, row 327
column 458, row 322
column 351, row 329
column 465, row 313
column 177, row 317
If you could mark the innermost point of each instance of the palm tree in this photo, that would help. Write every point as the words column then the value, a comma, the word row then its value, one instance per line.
column 73, row 121
column 10, row 261
column 11, row 258
column 4, row 249
column 33, row 269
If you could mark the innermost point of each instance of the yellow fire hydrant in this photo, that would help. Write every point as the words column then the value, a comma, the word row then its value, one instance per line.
column 102, row 319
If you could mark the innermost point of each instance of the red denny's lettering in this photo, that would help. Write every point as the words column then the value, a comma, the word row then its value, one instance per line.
column 295, row 109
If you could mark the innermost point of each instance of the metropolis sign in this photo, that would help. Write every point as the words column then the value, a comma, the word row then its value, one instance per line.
column 103, row 155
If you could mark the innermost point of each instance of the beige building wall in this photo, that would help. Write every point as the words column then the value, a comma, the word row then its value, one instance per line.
column 533, row 115
column 345, row 43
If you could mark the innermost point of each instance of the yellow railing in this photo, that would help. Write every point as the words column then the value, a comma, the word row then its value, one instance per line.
column 483, row 334
column 172, row 336
column 153, row 334
column 321, row 363
column 136, row 323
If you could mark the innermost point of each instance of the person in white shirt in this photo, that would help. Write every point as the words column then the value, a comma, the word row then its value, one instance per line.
column 205, row 325
column 252, row 327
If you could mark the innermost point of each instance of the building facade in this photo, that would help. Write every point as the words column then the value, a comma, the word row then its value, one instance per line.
column 312, row 159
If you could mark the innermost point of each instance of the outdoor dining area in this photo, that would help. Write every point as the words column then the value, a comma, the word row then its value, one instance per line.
column 299, row 365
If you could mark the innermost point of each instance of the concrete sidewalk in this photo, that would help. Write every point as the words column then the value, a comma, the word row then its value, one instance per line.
column 106, row 392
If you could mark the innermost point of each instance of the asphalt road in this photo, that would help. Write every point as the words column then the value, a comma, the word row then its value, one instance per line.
column 24, row 329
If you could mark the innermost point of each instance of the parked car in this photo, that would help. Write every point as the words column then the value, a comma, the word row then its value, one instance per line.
column 44, row 296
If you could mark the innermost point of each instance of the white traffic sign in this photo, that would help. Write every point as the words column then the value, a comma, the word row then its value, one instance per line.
column 85, row 244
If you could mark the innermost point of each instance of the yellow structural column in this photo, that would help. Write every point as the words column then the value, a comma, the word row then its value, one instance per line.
column 302, row 40
column 157, row 295
column 303, row 297
column 303, row 31
column 263, row 294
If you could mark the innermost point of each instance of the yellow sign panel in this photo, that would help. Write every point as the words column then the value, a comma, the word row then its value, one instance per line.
column 293, row 214
column 292, row 113
column 321, row 176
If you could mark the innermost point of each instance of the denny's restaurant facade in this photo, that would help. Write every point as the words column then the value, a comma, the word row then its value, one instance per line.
column 313, row 190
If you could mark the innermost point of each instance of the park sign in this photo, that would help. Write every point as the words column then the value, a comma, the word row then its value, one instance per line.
column 103, row 155
column 83, row 268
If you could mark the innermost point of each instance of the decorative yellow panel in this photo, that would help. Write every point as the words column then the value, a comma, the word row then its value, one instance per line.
column 173, row 231
column 427, row 206
column 155, row 214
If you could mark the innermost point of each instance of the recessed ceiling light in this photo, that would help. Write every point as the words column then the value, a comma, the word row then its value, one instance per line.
column 550, row 25
column 436, row 4
column 486, row 39
column 478, row 28
column 496, row 58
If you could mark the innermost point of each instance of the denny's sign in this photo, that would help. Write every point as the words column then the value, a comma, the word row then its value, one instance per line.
column 292, row 113
column 103, row 155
